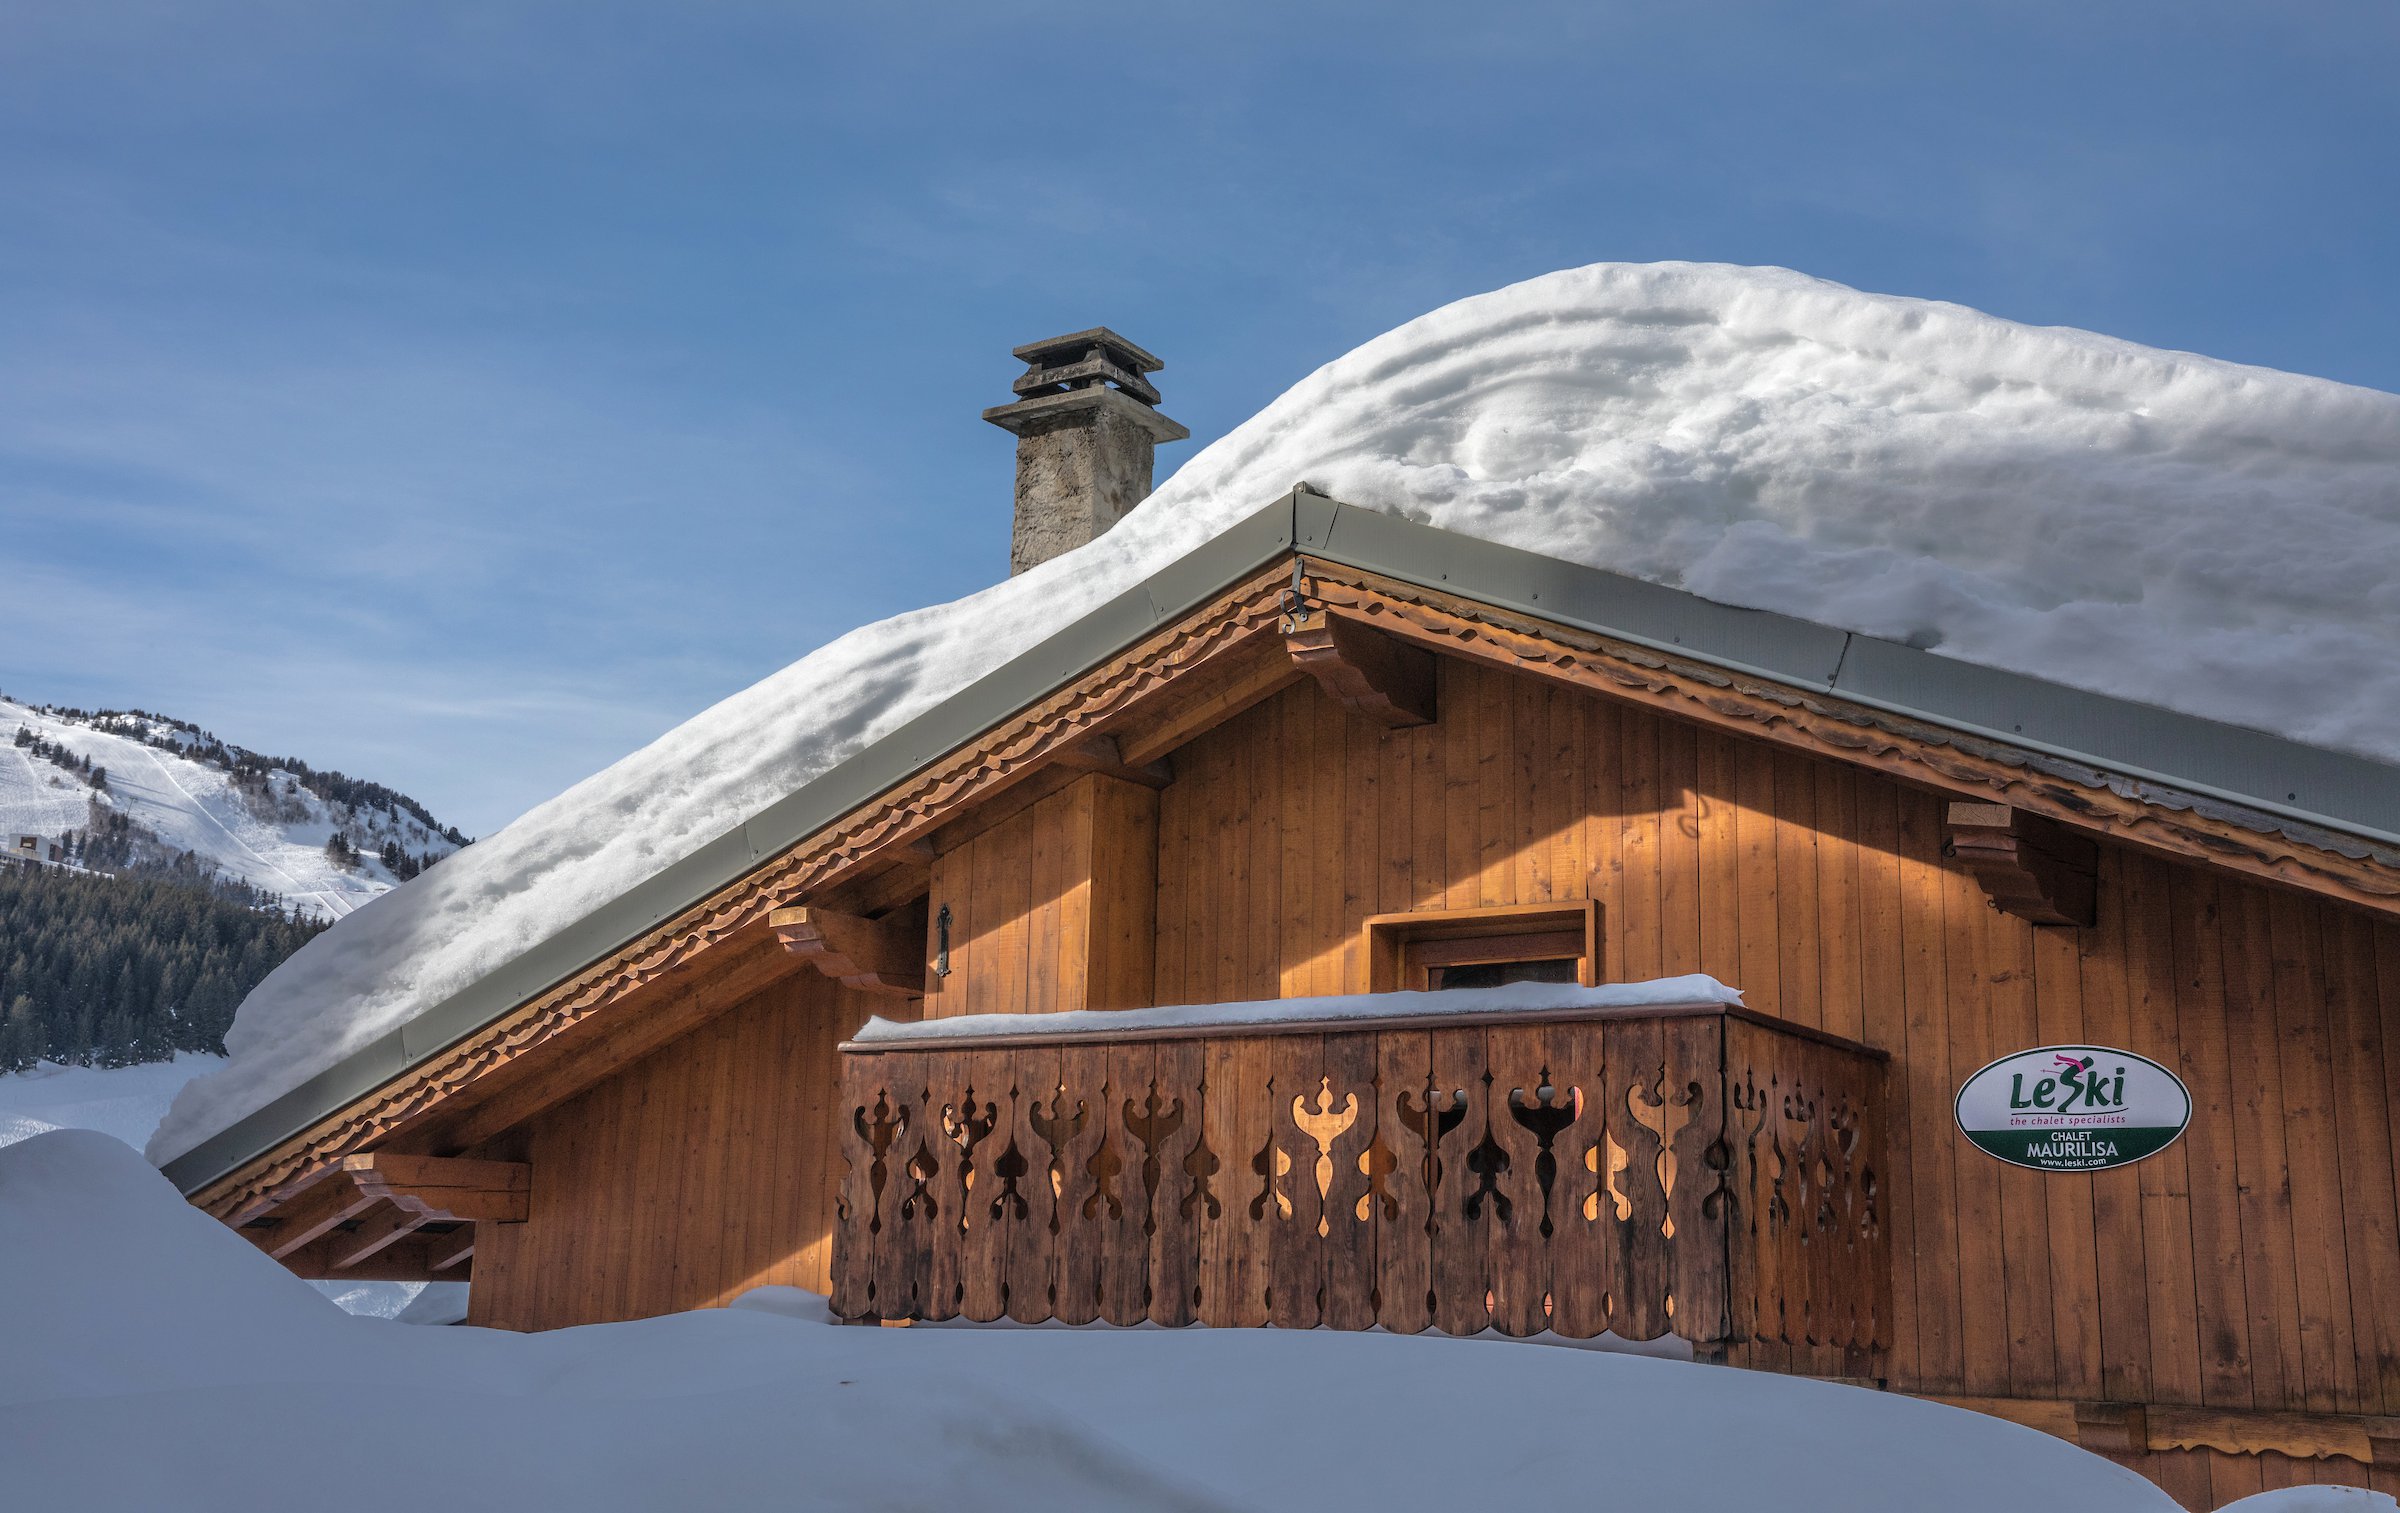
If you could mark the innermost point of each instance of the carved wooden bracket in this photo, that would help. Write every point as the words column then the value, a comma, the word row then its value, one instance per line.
column 872, row 955
column 2031, row 867
column 1388, row 681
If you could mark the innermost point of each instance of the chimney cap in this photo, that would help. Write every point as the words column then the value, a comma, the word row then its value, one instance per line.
column 1061, row 350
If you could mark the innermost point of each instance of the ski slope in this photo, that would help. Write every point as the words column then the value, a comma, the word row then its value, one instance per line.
column 190, row 805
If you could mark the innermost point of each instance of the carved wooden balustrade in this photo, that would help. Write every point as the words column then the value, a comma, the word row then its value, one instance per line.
column 1700, row 1170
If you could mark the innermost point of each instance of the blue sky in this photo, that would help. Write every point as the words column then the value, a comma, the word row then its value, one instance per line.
column 461, row 395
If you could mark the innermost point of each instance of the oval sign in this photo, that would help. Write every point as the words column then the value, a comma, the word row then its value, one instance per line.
column 2073, row 1108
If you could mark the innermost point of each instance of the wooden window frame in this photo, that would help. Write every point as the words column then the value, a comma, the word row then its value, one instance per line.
column 1401, row 948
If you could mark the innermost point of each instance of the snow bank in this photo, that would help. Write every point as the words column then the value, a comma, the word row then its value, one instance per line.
column 125, row 1101
column 1340, row 1008
column 2166, row 527
column 156, row 1360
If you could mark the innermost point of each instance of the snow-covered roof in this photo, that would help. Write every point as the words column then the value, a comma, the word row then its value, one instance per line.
column 2157, row 526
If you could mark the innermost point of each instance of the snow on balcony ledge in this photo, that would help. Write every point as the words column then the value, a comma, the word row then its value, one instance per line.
column 1281, row 1016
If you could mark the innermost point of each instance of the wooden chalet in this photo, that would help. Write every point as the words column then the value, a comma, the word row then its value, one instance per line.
column 1333, row 753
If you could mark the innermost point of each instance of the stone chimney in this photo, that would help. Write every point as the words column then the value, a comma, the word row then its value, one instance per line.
column 1087, row 427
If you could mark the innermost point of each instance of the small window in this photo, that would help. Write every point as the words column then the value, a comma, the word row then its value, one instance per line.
column 1482, row 948
column 1493, row 974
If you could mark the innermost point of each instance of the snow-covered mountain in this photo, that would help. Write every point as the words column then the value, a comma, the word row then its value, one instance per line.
column 171, row 787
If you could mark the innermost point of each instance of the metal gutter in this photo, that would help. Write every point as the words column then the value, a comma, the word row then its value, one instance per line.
column 2092, row 736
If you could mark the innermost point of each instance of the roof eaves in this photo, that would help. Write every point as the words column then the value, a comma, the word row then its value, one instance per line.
column 2329, row 798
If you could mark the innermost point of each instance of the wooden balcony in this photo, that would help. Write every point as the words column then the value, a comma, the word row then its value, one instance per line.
column 1694, row 1169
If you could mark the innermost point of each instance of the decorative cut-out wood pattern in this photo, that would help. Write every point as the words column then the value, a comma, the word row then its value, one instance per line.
column 1703, row 1172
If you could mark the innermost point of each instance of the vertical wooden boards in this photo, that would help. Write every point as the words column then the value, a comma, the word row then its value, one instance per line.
column 1758, row 972
column 1031, row 1182
column 1698, row 1307
column 1122, row 1182
column 1233, row 1260
column 1465, row 1186
column 2363, row 1140
column 2119, row 1290
column 991, row 1197
column 1718, row 846
column 866, row 1132
column 1799, row 925
column 1123, row 921
column 1680, row 910
column 2319, row 1242
column 1183, row 1194
column 1527, row 1110
column 1840, row 940
column 1638, row 1106
column 1884, row 1003
column 1349, row 1221
column 1407, row 1127
column 1054, row 908
column 1641, row 850
column 1085, row 1168
column 947, row 1145
column 1584, row 1242
column 2024, row 1238
column 1303, row 1096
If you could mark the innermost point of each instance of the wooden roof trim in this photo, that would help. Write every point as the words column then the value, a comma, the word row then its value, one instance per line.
column 1218, row 631
column 2146, row 815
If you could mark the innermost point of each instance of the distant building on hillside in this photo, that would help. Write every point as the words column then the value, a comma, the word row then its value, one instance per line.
column 32, row 848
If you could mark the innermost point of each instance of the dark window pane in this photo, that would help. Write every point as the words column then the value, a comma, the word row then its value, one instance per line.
column 1491, row 974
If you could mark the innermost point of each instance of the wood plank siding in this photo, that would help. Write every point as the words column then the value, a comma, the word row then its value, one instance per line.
column 2254, row 1266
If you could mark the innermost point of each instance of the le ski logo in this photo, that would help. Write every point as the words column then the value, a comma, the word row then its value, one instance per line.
column 2073, row 1108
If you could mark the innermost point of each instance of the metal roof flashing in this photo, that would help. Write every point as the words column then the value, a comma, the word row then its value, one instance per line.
column 2325, row 797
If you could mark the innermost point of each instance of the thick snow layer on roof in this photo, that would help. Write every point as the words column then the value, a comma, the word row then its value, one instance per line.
column 1506, row 1000
column 2193, row 533
column 155, row 1358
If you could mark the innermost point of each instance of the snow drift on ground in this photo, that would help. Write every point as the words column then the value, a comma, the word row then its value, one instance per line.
column 155, row 1360
column 190, row 805
column 126, row 1102
column 2152, row 524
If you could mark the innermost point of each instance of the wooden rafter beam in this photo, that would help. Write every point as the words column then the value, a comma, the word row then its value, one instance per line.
column 406, row 1259
column 871, row 955
column 2031, row 867
column 444, row 1252
column 1363, row 670
column 906, row 875
column 378, row 1232
column 445, row 1187
column 1176, row 717
column 311, row 1215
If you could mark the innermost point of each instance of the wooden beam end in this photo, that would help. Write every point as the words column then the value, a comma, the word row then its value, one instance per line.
column 1362, row 669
